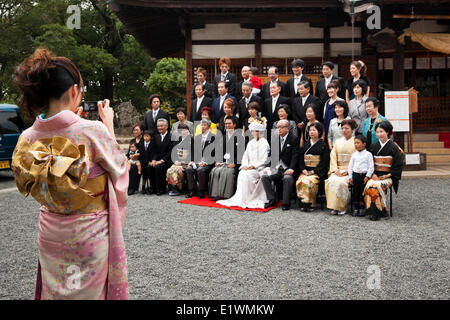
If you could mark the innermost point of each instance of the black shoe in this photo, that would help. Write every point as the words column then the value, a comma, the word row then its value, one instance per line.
column 285, row 207
column 309, row 208
column 201, row 195
column 270, row 204
column 144, row 191
column 131, row 192
column 191, row 194
column 361, row 213
column 374, row 217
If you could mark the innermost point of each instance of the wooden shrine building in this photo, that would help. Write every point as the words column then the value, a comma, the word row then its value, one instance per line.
column 263, row 33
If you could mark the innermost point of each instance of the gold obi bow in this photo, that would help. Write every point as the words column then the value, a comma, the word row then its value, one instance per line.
column 311, row 160
column 383, row 164
column 343, row 160
column 55, row 172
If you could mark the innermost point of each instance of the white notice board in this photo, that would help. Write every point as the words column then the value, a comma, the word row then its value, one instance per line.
column 396, row 107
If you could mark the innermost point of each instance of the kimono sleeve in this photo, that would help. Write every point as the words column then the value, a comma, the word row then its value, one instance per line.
column 333, row 159
column 107, row 153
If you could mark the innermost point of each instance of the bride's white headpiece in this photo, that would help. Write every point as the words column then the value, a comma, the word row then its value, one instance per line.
column 256, row 126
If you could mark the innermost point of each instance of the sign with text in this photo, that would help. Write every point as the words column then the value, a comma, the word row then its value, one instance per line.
column 396, row 106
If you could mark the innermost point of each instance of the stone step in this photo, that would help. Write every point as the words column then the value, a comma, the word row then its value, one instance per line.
column 123, row 140
column 425, row 137
column 427, row 144
column 431, row 151
column 435, row 159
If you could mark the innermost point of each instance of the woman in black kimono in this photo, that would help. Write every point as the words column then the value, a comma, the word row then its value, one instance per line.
column 313, row 165
column 388, row 161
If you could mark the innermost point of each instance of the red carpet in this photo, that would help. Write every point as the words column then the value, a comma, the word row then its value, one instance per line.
column 445, row 137
column 206, row 202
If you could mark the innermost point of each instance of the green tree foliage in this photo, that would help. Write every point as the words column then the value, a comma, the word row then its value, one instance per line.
column 168, row 79
column 111, row 61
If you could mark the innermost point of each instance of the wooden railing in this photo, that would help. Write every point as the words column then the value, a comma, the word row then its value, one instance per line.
column 434, row 112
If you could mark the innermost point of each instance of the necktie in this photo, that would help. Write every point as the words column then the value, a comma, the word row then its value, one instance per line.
column 282, row 143
column 222, row 77
column 274, row 103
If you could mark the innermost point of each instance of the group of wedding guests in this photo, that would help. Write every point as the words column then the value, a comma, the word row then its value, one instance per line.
column 252, row 145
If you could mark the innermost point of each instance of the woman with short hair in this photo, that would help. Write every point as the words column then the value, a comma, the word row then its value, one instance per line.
column 182, row 119
column 335, row 130
column 357, row 105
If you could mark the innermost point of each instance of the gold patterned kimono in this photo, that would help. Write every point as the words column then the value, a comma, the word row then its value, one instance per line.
column 78, row 173
column 336, row 188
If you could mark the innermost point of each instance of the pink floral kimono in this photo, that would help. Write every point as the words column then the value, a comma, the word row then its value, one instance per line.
column 77, row 172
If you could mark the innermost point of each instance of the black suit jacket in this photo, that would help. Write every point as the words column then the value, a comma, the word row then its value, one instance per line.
column 150, row 123
column 197, row 116
column 291, row 89
column 243, row 111
column 198, row 144
column 162, row 149
column 230, row 79
column 290, row 153
column 209, row 91
column 145, row 155
column 299, row 110
column 265, row 92
column 322, row 94
column 273, row 116
column 239, row 90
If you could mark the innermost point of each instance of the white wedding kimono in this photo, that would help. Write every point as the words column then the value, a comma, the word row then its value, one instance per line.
column 250, row 191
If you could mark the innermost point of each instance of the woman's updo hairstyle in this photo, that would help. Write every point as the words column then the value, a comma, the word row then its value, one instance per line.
column 41, row 77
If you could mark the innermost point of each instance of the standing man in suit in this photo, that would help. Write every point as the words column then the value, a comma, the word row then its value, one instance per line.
column 245, row 72
column 273, row 74
column 322, row 85
column 225, row 75
column 200, row 101
column 210, row 90
column 161, row 158
column 271, row 104
column 284, row 174
column 301, row 101
column 199, row 169
column 247, row 97
column 152, row 117
column 292, row 84
column 217, row 104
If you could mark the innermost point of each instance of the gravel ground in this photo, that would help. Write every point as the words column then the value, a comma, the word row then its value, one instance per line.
column 178, row 251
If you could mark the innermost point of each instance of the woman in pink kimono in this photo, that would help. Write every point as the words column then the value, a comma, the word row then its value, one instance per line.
column 75, row 169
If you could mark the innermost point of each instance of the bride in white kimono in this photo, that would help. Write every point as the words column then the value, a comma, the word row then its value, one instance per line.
column 250, row 191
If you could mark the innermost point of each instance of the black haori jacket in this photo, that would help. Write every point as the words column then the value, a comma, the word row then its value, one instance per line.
column 390, row 149
column 320, row 148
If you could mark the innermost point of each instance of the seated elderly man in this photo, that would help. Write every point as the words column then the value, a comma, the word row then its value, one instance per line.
column 161, row 158
column 197, row 171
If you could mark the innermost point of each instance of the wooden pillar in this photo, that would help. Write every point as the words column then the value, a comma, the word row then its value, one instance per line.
column 326, row 44
column 398, row 81
column 188, row 58
column 258, row 50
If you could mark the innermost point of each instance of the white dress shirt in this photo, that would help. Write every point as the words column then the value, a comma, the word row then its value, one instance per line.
column 274, row 102
column 199, row 102
column 361, row 162
column 297, row 80
column 222, row 99
column 304, row 100
column 155, row 113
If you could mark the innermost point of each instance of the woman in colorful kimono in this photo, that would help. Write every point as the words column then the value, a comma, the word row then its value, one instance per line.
column 388, row 161
column 336, row 186
column 182, row 155
column 313, row 165
column 78, row 173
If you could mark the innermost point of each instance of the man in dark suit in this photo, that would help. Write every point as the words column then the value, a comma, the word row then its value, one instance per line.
column 198, row 103
column 245, row 72
column 199, row 169
column 152, row 117
column 217, row 104
column 161, row 158
column 292, row 84
column 273, row 74
column 283, row 174
column 271, row 104
column 225, row 75
column 301, row 102
column 210, row 90
column 322, row 84
column 247, row 97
